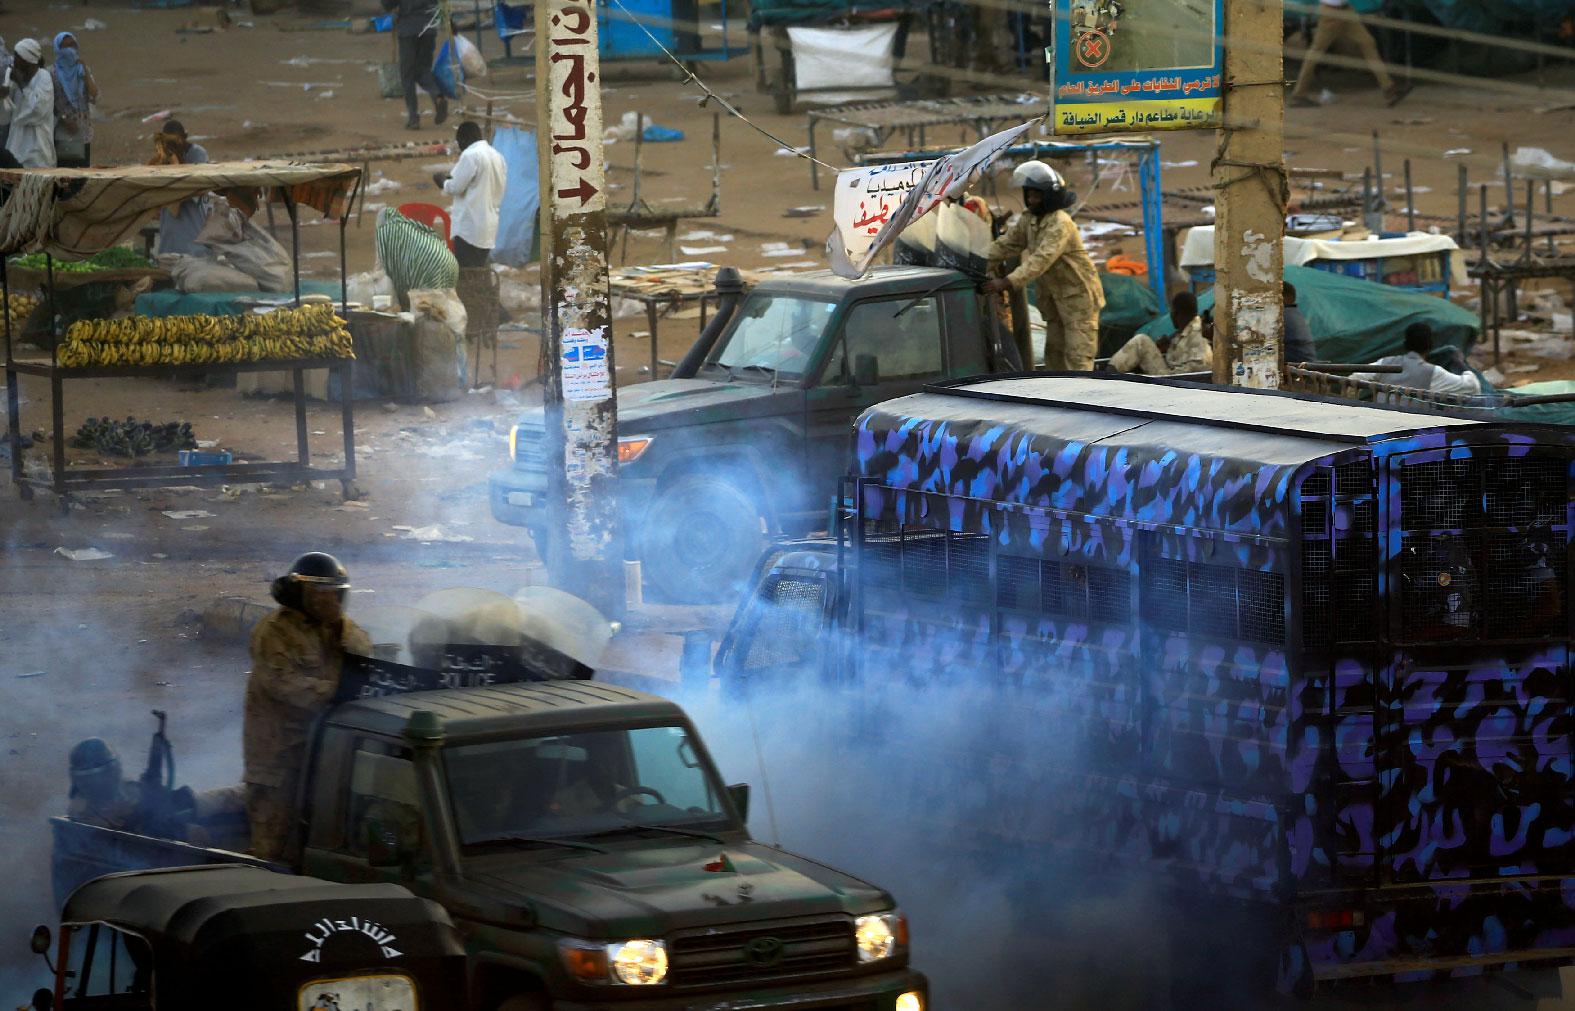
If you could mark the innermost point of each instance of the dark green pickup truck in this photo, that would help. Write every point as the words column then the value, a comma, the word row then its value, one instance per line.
column 746, row 440
column 585, row 847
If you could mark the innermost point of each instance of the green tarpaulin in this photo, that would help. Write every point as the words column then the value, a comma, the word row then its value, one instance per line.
column 1546, row 414
column 1359, row 321
column 1129, row 303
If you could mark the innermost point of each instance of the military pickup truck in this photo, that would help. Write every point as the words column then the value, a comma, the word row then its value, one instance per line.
column 744, row 440
column 582, row 842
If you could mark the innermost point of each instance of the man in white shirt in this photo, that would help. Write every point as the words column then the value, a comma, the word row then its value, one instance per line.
column 1337, row 23
column 476, row 184
column 1417, row 373
column 31, row 139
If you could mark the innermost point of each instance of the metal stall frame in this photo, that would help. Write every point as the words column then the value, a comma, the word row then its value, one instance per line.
column 1152, row 198
column 62, row 481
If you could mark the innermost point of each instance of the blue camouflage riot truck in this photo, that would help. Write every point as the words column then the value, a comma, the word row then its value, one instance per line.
column 1303, row 658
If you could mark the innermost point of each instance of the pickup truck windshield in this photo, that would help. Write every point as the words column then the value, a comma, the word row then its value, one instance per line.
column 775, row 336
column 580, row 784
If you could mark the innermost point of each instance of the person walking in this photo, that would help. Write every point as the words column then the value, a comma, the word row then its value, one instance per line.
column 31, row 139
column 75, row 93
column 1052, row 256
column 1338, row 23
column 416, row 25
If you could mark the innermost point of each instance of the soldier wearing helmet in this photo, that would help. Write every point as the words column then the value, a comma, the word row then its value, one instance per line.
column 99, row 794
column 1050, row 252
column 298, row 653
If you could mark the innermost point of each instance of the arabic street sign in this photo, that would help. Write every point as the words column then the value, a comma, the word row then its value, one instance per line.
column 1153, row 65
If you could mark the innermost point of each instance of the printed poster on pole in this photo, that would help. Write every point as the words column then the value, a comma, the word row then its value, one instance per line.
column 1127, row 66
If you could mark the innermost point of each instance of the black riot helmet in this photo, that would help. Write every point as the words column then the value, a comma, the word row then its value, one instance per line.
column 95, row 769
column 315, row 568
column 1036, row 175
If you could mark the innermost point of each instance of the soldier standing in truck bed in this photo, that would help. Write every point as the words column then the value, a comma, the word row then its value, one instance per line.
column 298, row 654
column 1051, row 254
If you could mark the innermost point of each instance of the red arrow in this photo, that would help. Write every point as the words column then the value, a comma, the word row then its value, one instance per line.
column 584, row 191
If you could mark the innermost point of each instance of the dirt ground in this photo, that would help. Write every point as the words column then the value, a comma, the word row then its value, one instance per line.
column 88, row 647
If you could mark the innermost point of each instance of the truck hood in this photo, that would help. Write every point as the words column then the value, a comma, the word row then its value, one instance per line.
column 675, row 403
column 656, row 887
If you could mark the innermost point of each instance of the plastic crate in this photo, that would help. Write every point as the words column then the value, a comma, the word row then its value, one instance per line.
column 205, row 458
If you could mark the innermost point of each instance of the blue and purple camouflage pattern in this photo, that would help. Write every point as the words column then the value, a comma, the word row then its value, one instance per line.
column 1318, row 651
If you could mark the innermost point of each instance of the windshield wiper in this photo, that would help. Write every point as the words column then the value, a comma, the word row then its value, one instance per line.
column 763, row 368
column 637, row 827
column 724, row 368
column 570, row 843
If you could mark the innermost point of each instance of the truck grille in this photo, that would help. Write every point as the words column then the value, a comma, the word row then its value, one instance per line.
column 530, row 448
column 759, row 954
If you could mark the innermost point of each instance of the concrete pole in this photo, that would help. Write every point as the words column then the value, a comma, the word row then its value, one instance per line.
column 1249, row 175
column 585, row 556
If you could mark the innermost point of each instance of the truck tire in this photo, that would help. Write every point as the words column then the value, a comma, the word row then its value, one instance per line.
column 701, row 539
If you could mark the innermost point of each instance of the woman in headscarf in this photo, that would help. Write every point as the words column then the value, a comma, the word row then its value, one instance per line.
column 75, row 93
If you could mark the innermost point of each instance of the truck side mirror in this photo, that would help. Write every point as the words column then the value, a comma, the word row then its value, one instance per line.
column 866, row 370
column 739, row 794
column 41, row 940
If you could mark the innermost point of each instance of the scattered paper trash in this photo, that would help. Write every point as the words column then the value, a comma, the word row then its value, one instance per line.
column 32, row 674
column 93, row 25
column 157, row 117
column 1326, row 97
column 1457, row 152
column 1534, row 161
column 804, row 212
column 432, row 533
column 1179, row 164
column 792, row 152
column 701, row 250
column 187, row 514
column 83, row 554
column 780, row 249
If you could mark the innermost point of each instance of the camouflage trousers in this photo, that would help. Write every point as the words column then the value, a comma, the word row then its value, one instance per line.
column 269, row 811
column 1071, row 336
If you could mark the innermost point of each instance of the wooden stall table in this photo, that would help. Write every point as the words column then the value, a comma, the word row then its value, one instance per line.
column 672, row 286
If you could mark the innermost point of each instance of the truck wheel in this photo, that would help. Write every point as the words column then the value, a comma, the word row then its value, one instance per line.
column 701, row 539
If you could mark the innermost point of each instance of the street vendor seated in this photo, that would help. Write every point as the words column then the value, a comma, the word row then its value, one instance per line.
column 1417, row 373
column 178, row 227
column 1186, row 350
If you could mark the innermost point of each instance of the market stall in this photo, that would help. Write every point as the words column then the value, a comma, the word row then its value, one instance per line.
column 70, row 215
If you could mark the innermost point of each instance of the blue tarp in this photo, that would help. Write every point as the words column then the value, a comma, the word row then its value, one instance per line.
column 171, row 302
column 521, row 199
column 1359, row 321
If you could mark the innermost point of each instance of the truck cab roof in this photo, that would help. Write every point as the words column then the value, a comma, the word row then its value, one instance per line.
column 520, row 709
column 823, row 284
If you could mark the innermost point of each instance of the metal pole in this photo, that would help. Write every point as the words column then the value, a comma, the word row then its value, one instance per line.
column 1461, row 236
column 584, row 550
column 1252, row 194
column 295, row 239
column 54, row 312
column 1410, row 201
column 1378, row 180
column 1509, row 191
column 1547, row 191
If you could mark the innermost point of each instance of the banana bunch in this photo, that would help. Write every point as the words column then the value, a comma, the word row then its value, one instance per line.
column 18, row 308
column 132, row 437
column 311, row 331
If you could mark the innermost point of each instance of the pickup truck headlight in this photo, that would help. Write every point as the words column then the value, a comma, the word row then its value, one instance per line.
column 640, row 962
column 631, row 446
column 880, row 935
column 514, row 441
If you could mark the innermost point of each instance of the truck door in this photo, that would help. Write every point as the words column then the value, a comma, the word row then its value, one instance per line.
column 902, row 339
column 369, row 829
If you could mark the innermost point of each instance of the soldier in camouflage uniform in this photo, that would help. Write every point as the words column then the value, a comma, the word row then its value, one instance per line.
column 1051, row 253
column 99, row 794
column 298, row 653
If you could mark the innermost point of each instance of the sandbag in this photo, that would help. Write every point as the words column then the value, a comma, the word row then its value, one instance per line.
column 233, row 239
column 199, row 273
column 437, row 346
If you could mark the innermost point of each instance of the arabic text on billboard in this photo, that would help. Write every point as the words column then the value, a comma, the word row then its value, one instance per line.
column 1136, row 65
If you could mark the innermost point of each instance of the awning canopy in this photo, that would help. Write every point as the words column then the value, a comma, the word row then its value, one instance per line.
column 74, row 213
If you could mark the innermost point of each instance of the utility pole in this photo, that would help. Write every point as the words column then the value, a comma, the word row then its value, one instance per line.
column 585, row 551
column 1249, row 175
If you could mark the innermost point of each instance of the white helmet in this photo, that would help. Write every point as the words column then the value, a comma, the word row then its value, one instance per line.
column 1036, row 175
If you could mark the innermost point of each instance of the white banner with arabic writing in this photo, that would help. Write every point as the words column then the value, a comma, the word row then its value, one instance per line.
column 873, row 205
